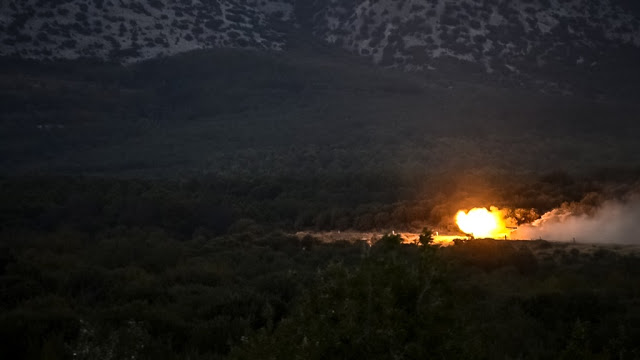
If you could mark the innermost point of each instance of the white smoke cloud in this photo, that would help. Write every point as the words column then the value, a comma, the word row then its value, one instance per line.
column 610, row 222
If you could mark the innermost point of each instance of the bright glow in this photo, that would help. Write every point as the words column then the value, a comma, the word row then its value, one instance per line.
column 483, row 223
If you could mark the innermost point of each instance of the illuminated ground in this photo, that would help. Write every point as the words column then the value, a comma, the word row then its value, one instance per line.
column 541, row 248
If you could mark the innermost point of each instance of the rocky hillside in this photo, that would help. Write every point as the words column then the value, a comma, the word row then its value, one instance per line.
column 492, row 35
column 129, row 30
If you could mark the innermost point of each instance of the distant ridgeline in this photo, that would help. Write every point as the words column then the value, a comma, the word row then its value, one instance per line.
column 492, row 35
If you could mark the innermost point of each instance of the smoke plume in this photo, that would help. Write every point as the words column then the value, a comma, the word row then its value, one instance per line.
column 611, row 221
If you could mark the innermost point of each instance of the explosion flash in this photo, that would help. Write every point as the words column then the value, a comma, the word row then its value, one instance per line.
column 483, row 223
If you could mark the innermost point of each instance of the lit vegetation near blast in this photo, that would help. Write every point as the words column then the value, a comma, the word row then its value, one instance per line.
column 82, row 275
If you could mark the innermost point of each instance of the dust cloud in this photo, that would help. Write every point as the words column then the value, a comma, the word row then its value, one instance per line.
column 612, row 221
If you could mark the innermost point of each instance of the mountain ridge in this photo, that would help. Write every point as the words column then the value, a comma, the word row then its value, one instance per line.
column 542, row 44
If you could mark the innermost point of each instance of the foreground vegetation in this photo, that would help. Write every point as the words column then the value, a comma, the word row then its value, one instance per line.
column 100, row 268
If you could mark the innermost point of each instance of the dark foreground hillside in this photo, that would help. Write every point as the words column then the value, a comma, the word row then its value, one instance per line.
column 105, row 268
column 252, row 293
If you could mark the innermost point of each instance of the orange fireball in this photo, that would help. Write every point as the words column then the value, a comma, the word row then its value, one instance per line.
column 483, row 223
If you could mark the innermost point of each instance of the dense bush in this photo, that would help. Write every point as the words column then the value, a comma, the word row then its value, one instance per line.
column 101, row 285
